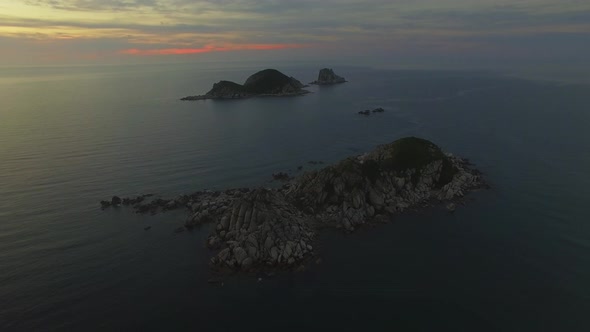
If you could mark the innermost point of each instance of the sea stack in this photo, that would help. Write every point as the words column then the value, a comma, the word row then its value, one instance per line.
column 328, row 77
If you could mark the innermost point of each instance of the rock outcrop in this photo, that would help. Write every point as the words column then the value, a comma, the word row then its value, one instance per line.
column 275, row 228
column 327, row 77
column 385, row 181
column 268, row 82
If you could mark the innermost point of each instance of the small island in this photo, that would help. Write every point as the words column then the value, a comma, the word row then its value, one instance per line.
column 328, row 77
column 268, row 82
column 276, row 228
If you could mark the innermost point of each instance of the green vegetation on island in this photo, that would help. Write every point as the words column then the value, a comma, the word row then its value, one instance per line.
column 268, row 82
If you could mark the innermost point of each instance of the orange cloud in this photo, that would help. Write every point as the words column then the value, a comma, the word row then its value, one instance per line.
column 210, row 48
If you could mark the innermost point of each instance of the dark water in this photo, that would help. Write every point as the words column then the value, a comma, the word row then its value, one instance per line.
column 516, row 258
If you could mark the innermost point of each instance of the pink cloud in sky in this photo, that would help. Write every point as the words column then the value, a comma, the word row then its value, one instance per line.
column 210, row 48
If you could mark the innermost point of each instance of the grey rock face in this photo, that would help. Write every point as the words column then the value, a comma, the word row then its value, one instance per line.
column 256, row 220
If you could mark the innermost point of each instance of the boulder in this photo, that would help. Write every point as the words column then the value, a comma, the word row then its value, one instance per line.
column 288, row 250
column 252, row 251
column 268, row 243
column 376, row 198
column 247, row 263
column 224, row 254
column 370, row 211
column 274, row 253
column 240, row 254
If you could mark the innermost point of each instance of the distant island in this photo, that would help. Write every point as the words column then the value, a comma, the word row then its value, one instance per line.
column 269, row 229
column 328, row 77
column 268, row 82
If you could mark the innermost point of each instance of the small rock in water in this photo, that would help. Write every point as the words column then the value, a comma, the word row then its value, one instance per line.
column 301, row 268
column 147, row 228
column 365, row 112
column 281, row 176
column 451, row 207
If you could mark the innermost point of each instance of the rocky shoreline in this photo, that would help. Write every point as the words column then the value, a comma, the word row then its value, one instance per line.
column 269, row 229
column 243, row 96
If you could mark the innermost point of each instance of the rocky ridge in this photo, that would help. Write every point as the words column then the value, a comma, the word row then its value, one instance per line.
column 275, row 228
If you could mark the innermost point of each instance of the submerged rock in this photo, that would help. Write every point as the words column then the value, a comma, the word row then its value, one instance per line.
column 368, row 112
column 116, row 201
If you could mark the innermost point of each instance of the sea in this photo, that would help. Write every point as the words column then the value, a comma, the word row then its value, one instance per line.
column 515, row 257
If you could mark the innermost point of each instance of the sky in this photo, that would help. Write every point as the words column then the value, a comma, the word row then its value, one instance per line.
column 443, row 33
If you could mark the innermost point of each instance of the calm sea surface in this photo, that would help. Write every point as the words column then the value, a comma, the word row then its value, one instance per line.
column 516, row 258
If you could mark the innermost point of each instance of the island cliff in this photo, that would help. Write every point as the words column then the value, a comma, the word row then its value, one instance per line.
column 276, row 228
column 328, row 77
column 268, row 82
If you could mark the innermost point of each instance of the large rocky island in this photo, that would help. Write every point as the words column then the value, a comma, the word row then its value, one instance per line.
column 275, row 228
column 327, row 76
column 268, row 82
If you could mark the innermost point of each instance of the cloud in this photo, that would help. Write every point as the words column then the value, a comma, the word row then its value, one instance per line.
column 93, row 5
column 210, row 48
column 343, row 26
